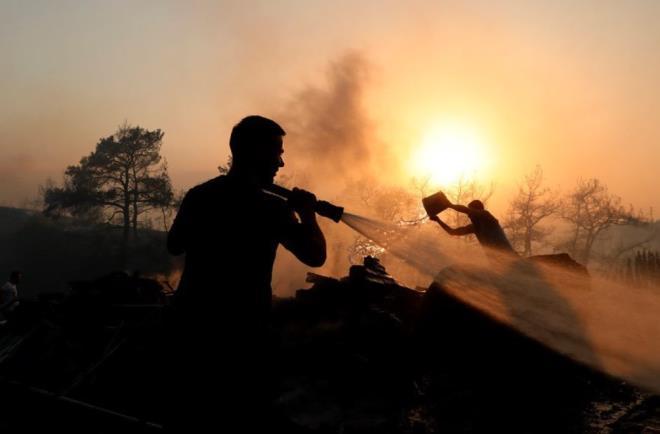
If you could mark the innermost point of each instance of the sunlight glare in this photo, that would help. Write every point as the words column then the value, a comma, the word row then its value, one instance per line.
column 448, row 153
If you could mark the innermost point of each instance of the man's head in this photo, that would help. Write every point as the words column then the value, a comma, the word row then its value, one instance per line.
column 476, row 204
column 15, row 277
column 256, row 148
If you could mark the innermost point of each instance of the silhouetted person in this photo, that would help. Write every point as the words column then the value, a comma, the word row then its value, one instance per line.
column 9, row 295
column 483, row 225
column 229, row 230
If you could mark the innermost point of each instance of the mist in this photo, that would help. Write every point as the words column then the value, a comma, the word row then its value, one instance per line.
column 331, row 145
column 609, row 326
column 17, row 174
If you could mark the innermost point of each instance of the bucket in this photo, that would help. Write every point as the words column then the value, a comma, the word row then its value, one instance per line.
column 436, row 203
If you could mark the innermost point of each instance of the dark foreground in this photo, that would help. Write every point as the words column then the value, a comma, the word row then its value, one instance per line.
column 356, row 355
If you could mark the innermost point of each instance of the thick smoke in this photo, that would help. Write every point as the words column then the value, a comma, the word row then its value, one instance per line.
column 331, row 143
column 331, row 138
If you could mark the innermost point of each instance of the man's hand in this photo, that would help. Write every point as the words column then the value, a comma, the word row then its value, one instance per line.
column 305, row 240
column 303, row 202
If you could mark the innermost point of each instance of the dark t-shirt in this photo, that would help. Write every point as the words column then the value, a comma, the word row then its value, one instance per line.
column 229, row 232
column 489, row 232
column 218, row 338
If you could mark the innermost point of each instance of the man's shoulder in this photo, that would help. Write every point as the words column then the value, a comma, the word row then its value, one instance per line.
column 488, row 218
column 491, row 216
column 211, row 186
column 272, row 199
column 222, row 185
column 482, row 217
column 278, row 206
column 483, row 213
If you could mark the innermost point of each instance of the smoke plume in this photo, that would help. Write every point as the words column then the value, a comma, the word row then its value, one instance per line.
column 331, row 137
column 330, row 143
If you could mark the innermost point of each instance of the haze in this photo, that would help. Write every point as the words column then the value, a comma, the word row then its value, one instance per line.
column 571, row 86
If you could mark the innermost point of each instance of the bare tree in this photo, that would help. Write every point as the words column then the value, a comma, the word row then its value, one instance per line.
column 527, row 210
column 421, row 185
column 389, row 204
column 591, row 209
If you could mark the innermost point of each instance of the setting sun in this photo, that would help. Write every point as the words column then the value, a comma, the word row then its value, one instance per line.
column 448, row 152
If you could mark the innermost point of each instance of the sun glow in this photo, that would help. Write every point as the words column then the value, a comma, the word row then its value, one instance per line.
column 447, row 153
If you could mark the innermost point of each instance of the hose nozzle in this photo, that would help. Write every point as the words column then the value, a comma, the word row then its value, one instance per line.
column 322, row 208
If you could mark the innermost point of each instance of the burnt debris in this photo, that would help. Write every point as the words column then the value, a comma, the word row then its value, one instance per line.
column 360, row 354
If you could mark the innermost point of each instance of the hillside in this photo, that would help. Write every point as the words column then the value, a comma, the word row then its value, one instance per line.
column 50, row 253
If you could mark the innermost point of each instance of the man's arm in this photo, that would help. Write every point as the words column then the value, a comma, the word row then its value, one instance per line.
column 463, row 209
column 305, row 239
column 465, row 230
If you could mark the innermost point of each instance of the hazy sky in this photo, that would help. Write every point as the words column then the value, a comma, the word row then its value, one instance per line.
column 572, row 86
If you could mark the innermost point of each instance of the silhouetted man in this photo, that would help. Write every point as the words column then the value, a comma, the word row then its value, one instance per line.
column 229, row 230
column 483, row 225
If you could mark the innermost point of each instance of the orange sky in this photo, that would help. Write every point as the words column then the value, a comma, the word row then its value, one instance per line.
column 572, row 87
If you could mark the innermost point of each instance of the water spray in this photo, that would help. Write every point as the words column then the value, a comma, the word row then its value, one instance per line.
column 611, row 327
column 322, row 208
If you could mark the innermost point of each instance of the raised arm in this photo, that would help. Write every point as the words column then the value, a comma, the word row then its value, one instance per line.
column 462, row 209
column 464, row 230
column 305, row 239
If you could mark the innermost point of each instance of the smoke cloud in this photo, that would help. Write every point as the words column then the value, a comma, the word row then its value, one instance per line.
column 17, row 175
column 331, row 138
column 333, row 148
column 331, row 142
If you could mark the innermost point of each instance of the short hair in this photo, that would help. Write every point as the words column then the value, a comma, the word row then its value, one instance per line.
column 250, row 132
column 14, row 274
column 476, row 204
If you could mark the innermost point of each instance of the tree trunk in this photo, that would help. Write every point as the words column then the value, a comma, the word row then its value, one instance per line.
column 576, row 236
column 126, row 210
column 528, row 243
column 588, row 243
column 135, row 206
column 135, row 220
column 166, row 225
column 577, row 222
column 123, row 253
